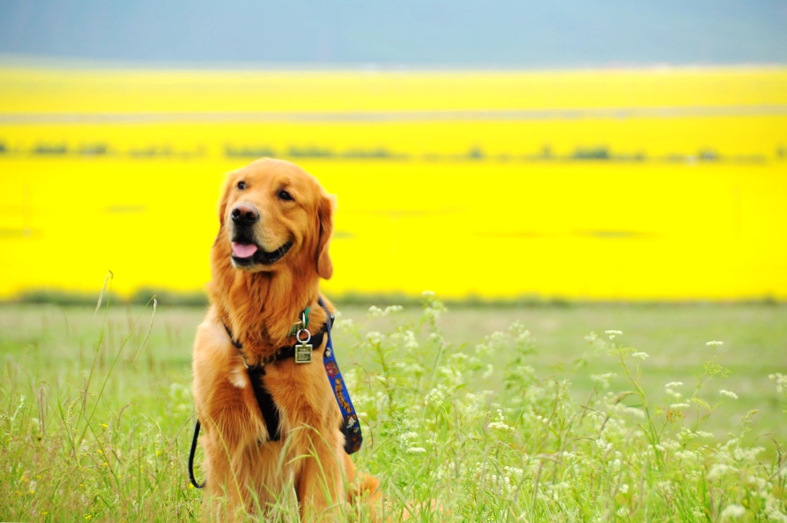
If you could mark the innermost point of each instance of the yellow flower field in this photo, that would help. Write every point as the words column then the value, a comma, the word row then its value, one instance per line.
column 601, row 185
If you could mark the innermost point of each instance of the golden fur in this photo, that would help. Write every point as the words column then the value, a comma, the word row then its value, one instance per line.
column 245, row 470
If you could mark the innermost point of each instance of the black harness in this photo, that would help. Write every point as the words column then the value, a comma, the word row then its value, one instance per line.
column 256, row 372
column 265, row 401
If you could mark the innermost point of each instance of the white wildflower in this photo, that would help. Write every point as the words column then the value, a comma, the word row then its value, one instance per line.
column 453, row 375
column 640, row 355
column 603, row 379
column 416, row 450
column 680, row 406
column 613, row 333
column 603, row 445
column 718, row 470
column 635, row 412
column 500, row 424
column 667, row 445
column 435, row 396
column 664, row 486
column 732, row 511
column 516, row 472
column 591, row 338
column 714, row 343
column 484, row 349
column 686, row 455
column 686, row 434
column 407, row 437
column 775, row 514
column 428, row 294
column 409, row 340
column 374, row 337
column 757, row 482
column 344, row 323
column 728, row 393
column 673, row 384
column 374, row 312
column 433, row 312
column 747, row 454
column 781, row 381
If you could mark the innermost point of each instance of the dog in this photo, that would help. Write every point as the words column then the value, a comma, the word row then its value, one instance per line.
column 272, row 249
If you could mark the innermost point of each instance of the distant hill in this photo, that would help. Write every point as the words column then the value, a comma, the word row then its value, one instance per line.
column 503, row 33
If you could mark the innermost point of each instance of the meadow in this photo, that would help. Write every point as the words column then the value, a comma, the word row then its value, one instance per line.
column 561, row 413
column 629, row 227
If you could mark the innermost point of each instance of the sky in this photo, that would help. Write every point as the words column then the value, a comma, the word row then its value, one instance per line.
column 418, row 33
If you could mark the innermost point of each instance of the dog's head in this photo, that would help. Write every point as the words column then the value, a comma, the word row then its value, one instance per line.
column 274, row 214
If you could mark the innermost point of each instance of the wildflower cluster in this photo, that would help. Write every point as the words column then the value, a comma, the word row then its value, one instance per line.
column 460, row 451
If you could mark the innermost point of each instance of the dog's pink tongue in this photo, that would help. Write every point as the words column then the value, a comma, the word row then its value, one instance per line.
column 243, row 250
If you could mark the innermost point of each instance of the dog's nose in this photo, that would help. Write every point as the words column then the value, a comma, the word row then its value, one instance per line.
column 244, row 214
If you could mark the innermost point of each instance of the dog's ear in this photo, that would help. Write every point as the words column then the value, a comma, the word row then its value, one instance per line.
column 225, row 196
column 223, row 201
column 325, row 214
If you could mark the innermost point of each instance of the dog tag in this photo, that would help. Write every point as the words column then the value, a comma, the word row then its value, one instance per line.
column 303, row 353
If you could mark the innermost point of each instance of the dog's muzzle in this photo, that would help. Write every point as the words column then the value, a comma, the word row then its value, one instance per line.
column 245, row 251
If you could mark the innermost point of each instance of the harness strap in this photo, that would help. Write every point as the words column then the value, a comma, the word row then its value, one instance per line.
column 265, row 401
column 282, row 353
column 256, row 374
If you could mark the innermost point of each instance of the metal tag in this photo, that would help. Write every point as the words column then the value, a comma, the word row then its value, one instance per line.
column 303, row 353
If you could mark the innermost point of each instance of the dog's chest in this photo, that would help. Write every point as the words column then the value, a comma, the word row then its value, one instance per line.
column 238, row 376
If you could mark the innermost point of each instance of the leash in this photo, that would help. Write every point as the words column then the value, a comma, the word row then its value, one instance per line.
column 301, row 352
column 351, row 428
column 191, row 458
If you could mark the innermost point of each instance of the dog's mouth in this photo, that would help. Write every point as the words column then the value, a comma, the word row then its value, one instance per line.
column 246, row 253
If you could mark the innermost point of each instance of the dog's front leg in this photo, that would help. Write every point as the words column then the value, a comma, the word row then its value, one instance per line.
column 320, row 481
column 226, row 440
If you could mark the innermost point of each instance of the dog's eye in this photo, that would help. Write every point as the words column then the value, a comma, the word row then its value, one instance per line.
column 241, row 185
column 285, row 196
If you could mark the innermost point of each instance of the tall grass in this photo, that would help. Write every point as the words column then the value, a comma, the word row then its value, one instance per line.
column 524, row 450
column 98, row 429
column 99, row 435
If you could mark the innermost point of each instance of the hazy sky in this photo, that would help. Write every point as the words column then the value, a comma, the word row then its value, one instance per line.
column 512, row 33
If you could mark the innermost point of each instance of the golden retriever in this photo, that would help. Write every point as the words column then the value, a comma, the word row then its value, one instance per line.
column 270, row 253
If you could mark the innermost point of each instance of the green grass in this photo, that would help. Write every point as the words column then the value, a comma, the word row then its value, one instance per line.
column 476, row 414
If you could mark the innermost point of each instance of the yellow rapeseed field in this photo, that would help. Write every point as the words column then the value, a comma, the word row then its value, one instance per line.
column 601, row 185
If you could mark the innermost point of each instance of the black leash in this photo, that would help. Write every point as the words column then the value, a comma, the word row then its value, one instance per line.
column 191, row 458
